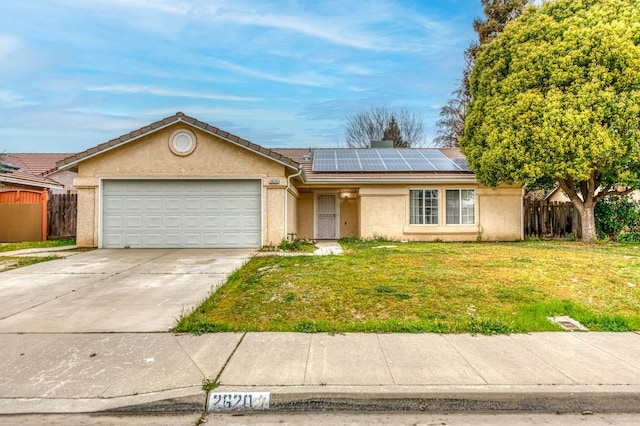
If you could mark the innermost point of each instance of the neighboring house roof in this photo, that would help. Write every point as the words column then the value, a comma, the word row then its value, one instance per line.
column 30, row 169
column 21, row 177
column 72, row 161
column 36, row 163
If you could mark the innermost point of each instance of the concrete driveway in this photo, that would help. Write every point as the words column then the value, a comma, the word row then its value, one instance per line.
column 112, row 290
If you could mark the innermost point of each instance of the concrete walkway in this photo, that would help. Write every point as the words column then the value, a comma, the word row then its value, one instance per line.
column 563, row 371
column 112, row 290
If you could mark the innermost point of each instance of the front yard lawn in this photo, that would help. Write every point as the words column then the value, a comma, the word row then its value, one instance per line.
column 4, row 247
column 430, row 287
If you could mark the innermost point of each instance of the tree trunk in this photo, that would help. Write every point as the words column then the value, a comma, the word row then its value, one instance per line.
column 585, row 203
column 587, row 214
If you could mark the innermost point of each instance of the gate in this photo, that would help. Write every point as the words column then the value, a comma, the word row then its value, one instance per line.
column 62, row 216
column 23, row 216
column 543, row 219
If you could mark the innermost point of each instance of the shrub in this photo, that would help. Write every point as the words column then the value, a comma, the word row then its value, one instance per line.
column 616, row 214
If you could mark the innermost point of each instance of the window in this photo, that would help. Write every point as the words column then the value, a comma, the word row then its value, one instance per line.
column 461, row 206
column 423, row 207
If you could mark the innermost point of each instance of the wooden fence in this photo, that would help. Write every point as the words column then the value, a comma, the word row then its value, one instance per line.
column 543, row 219
column 62, row 216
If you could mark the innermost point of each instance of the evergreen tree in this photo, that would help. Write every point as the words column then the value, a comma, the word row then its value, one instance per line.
column 556, row 95
column 392, row 133
column 453, row 114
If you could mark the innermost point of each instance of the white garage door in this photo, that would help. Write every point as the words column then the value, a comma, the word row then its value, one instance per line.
column 181, row 213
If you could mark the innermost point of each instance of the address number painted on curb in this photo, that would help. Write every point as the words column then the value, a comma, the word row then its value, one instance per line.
column 238, row 401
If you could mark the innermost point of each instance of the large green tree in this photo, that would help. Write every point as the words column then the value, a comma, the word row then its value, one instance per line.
column 557, row 95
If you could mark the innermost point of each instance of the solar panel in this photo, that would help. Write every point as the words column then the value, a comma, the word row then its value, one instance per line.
column 385, row 160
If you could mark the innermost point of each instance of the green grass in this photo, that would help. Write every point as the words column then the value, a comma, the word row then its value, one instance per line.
column 10, row 262
column 484, row 288
column 4, row 247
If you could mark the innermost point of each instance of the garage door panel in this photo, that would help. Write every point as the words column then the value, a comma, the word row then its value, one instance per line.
column 192, row 222
column 152, row 222
column 152, row 203
column 133, row 240
column 153, row 240
column 182, row 213
column 172, row 240
column 133, row 203
column 133, row 223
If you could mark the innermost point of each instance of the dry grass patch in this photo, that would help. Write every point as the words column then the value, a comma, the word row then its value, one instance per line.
column 430, row 287
column 8, row 263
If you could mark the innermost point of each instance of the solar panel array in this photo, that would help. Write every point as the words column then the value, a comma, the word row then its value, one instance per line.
column 385, row 160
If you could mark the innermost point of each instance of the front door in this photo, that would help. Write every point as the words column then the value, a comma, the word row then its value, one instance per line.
column 326, row 216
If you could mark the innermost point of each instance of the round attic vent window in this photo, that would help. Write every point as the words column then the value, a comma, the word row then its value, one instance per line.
column 182, row 143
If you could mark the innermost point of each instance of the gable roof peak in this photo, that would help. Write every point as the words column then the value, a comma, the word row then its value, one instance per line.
column 73, row 160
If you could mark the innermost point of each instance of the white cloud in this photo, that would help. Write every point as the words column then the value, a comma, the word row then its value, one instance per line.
column 158, row 91
column 305, row 79
column 9, row 99
column 365, row 25
column 8, row 44
column 169, row 7
column 318, row 28
column 239, row 114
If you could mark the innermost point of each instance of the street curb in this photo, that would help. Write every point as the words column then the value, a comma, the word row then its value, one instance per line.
column 190, row 399
column 540, row 399
column 442, row 399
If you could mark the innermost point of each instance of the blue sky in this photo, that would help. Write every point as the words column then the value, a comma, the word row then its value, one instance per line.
column 76, row 73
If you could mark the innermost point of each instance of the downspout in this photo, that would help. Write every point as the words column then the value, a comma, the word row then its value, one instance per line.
column 286, row 201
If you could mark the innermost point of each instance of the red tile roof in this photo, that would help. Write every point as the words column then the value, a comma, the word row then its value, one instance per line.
column 36, row 163
column 30, row 170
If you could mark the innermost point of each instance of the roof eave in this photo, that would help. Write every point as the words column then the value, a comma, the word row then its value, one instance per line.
column 4, row 178
column 173, row 120
column 390, row 179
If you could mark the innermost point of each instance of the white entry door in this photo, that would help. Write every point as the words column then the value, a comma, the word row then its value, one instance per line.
column 327, row 217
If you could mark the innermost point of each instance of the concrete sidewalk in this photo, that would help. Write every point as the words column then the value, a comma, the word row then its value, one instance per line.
column 562, row 371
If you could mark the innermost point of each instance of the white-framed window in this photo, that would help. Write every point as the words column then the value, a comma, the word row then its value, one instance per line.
column 423, row 206
column 461, row 206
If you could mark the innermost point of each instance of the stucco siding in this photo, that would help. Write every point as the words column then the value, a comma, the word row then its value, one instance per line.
column 87, row 215
column 150, row 157
column 274, row 219
column 292, row 211
column 385, row 213
column 349, row 223
column 500, row 213
column 305, row 216
column 382, row 212
column 66, row 178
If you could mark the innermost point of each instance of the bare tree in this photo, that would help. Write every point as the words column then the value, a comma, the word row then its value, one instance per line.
column 404, row 127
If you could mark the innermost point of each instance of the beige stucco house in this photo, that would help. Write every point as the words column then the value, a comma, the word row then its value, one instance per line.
column 180, row 182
